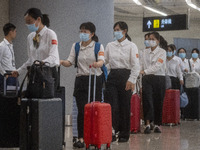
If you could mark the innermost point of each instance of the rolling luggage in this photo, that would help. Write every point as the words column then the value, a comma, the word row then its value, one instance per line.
column 97, row 121
column 60, row 93
column 41, row 124
column 135, row 112
column 9, row 118
column 192, row 110
column 171, row 107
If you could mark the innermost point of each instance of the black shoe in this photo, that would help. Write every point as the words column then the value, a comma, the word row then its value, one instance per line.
column 157, row 130
column 121, row 140
column 114, row 138
column 79, row 144
column 147, row 130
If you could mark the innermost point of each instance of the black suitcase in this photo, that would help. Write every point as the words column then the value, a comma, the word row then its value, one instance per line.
column 41, row 124
column 60, row 93
column 9, row 118
column 192, row 110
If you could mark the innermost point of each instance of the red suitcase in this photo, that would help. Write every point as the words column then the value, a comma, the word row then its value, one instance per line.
column 135, row 113
column 171, row 107
column 97, row 122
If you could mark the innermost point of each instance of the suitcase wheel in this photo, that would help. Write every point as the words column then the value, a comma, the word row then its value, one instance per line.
column 108, row 146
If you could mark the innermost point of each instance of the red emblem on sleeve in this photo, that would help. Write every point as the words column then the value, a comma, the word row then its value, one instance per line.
column 160, row 60
column 101, row 53
column 54, row 42
column 137, row 56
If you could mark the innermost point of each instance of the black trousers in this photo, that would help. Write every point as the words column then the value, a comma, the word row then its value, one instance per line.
column 175, row 83
column 81, row 94
column 119, row 98
column 153, row 92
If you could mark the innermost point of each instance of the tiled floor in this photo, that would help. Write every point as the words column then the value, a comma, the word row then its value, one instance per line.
column 182, row 137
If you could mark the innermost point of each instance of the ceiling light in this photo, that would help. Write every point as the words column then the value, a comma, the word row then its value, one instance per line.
column 156, row 11
column 149, row 8
column 137, row 2
column 192, row 5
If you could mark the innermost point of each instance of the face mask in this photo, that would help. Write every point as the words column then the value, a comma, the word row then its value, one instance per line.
column 152, row 43
column 32, row 27
column 118, row 35
column 84, row 37
column 182, row 55
column 146, row 43
column 195, row 55
column 169, row 54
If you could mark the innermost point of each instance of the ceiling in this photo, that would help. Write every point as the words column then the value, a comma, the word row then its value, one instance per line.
column 129, row 10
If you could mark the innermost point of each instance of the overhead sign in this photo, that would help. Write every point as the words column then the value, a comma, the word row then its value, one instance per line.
column 175, row 22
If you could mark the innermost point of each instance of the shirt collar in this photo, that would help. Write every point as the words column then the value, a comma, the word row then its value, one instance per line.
column 88, row 46
column 6, row 41
column 155, row 51
column 197, row 61
column 42, row 31
column 124, row 42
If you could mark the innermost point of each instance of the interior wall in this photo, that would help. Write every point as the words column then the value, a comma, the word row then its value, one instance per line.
column 4, row 17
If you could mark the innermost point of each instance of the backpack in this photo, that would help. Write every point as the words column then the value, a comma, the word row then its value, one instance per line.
column 96, row 51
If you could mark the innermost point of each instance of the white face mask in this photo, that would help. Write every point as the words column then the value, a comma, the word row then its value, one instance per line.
column 152, row 43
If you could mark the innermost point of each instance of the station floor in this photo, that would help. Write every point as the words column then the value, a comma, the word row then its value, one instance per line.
column 185, row 136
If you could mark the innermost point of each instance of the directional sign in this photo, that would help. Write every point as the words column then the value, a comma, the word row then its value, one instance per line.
column 156, row 23
column 149, row 24
column 175, row 22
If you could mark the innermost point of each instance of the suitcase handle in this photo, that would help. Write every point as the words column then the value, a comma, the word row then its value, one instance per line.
column 89, row 88
column 5, row 86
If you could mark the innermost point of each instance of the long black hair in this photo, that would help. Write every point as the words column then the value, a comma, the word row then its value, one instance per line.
column 123, row 26
column 35, row 13
column 91, row 27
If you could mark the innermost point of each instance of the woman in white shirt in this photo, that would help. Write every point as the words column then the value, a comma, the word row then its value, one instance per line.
column 173, row 69
column 182, row 54
column 42, row 43
column 153, row 82
column 86, row 57
column 195, row 62
column 121, row 57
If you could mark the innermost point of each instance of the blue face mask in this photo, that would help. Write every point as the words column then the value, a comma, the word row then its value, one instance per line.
column 169, row 54
column 118, row 35
column 195, row 55
column 32, row 27
column 146, row 43
column 84, row 37
column 182, row 55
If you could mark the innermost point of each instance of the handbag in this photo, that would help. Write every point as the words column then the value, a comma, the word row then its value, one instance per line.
column 192, row 79
column 183, row 98
column 40, row 81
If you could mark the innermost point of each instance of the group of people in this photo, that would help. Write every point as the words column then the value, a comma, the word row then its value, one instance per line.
column 121, row 58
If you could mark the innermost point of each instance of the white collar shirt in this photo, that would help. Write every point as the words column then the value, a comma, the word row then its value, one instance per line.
column 195, row 65
column 180, row 62
column 123, row 55
column 7, row 57
column 173, row 68
column 47, row 50
column 154, row 62
column 86, row 57
column 187, row 66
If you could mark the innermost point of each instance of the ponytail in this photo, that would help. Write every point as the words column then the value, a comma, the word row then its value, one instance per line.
column 45, row 20
column 128, row 37
column 95, row 38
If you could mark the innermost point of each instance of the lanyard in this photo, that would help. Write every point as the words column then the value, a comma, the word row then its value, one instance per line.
column 12, row 53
